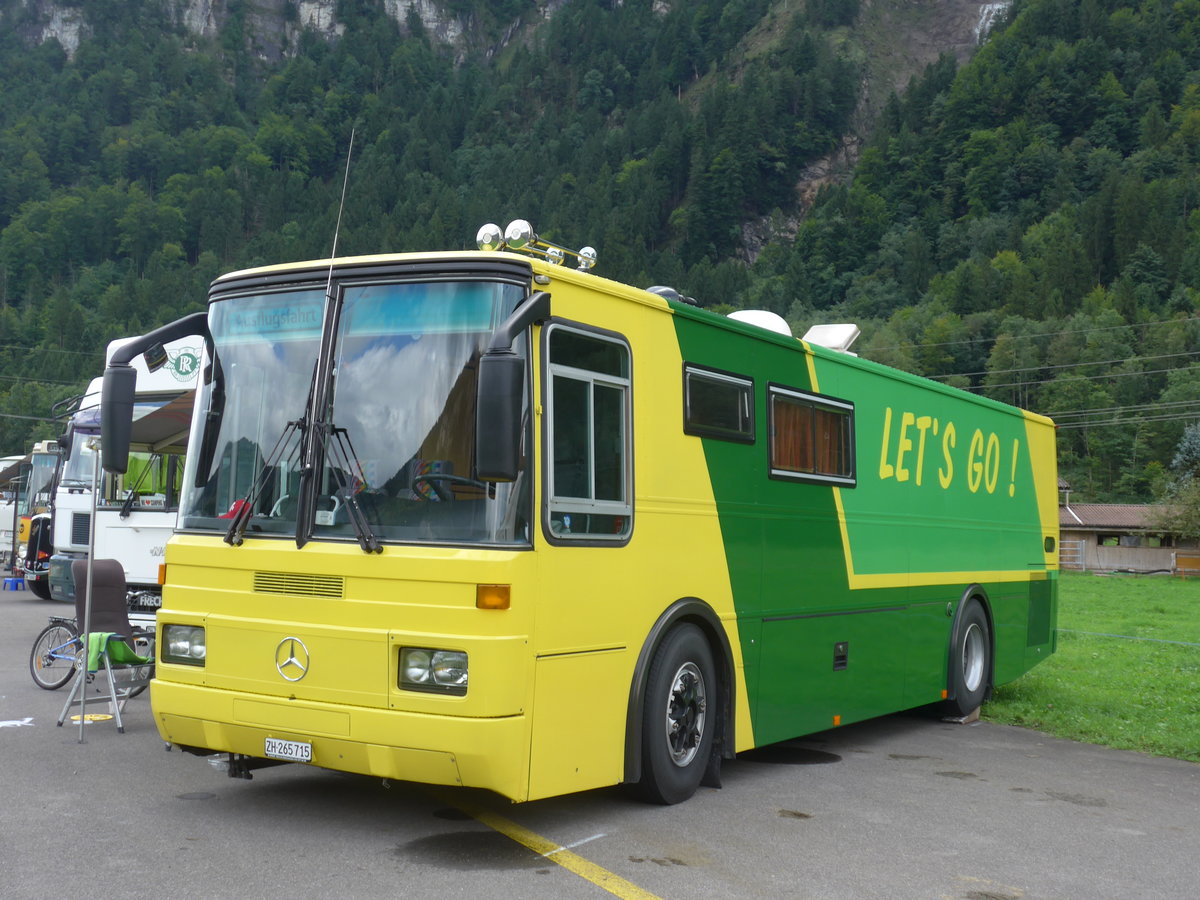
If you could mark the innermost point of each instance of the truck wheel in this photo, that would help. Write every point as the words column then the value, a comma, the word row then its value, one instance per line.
column 679, row 717
column 970, row 661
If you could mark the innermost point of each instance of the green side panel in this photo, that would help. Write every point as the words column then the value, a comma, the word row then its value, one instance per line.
column 783, row 548
column 954, row 474
column 1037, row 630
column 945, row 486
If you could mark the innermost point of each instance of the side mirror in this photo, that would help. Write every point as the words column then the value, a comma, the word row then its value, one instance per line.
column 498, row 424
column 116, row 417
column 498, row 395
column 155, row 357
column 65, row 441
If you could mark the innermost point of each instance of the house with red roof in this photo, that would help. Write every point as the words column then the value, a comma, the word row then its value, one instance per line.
column 1120, row 537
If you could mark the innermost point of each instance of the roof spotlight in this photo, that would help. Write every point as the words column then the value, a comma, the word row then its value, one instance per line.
column 489, row 237
column 519, row 234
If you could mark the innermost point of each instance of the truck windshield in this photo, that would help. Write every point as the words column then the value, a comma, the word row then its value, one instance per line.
column 80, row 469
column 396, row 435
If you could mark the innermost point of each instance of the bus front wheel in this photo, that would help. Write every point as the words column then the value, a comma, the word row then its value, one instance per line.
column 970, row 661
column 679, row 717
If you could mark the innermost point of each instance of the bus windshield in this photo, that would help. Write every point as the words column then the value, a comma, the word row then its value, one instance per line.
column 39, row 483
column 395, row 437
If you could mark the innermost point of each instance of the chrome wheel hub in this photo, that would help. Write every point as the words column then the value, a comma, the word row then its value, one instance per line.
column 686, row 707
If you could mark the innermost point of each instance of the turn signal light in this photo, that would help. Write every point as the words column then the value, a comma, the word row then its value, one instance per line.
column 492, row 596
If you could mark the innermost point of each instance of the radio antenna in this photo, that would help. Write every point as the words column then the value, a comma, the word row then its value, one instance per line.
column 314, row 425
column 341, row 206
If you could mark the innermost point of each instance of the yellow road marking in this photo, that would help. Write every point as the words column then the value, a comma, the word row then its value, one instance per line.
column 555, row 853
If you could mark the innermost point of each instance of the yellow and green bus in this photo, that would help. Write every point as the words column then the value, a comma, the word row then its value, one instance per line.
column 480, row 518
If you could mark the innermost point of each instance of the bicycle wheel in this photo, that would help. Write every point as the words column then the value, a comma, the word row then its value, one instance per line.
column 141, row 687
column 52, row 660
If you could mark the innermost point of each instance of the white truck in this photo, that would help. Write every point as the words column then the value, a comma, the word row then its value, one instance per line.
column 10, row 471
column 135, row 512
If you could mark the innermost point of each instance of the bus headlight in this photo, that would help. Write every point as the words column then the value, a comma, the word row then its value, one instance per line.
column 438, row 671
column 184, row 644
column 416, row 666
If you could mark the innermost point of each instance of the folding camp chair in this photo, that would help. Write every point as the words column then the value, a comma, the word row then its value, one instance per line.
column 110, row 644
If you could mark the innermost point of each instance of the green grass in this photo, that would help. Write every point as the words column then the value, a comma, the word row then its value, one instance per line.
column 1114, row 680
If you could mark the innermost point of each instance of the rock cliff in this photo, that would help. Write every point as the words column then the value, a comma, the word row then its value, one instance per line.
column 271, row 26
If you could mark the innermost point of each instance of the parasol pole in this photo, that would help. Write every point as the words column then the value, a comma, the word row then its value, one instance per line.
column 94, row 445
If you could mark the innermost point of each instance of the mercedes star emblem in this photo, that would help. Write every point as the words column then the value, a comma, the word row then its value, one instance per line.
column 291, row 658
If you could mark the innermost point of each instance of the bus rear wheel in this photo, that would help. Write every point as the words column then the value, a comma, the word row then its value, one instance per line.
column 679, row 716
column 970, row 661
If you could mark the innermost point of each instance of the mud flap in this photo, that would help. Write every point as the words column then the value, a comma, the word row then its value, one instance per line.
column 712, row 772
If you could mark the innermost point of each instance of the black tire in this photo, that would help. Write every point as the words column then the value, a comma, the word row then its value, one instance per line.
column 679, row 718
column 52, row 659
column 40, row 588
column 970, row 661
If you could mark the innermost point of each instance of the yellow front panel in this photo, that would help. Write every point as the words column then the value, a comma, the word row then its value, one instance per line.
column 292, row 718
column 346, row 665
column 580, row 710
column 349, row 705
column 488, row 754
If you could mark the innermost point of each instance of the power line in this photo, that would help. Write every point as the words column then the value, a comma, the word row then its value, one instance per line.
column 30, row 418
column 988, row 387
column 20, row 379
column 28, row 349
column 1137, row 420
column 1104, row 362
column 1122, row 409
column 1046, row 334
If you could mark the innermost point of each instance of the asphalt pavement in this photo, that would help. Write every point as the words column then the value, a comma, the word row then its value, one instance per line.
column 902, row 807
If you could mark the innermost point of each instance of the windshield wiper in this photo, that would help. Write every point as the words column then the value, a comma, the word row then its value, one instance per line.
column 243, row 509
column 345, row 460
column 132, row 494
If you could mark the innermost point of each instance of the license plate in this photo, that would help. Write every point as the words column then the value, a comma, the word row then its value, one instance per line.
column 293, row 751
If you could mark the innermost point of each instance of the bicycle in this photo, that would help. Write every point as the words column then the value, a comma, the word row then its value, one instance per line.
column 57, row 651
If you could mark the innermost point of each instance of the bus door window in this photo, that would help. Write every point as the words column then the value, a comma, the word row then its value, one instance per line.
column 588, row 447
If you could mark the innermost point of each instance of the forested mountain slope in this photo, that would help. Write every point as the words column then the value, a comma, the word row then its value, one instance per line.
column 1032, row 209
column 1028, row 226
column 147, row 145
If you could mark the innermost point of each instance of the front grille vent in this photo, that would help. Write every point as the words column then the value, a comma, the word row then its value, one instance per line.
column 300, row 585
column 80, row 532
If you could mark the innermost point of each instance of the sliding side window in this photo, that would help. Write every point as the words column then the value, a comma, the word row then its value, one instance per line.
column 718, row 404
column 589, row 441
column 812, row 437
